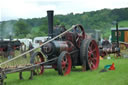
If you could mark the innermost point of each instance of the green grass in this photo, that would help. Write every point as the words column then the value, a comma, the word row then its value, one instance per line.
column 76, row 77
column 123, row 23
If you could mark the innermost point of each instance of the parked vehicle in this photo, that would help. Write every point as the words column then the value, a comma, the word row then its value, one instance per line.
column 38, row 40
column 25, row 41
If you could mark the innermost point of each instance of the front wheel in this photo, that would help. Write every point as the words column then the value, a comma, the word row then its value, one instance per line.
column 64, row 63
column 36, row 59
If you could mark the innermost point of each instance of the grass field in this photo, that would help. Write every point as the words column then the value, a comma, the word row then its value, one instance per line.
column 123, row 23
column 76, row 77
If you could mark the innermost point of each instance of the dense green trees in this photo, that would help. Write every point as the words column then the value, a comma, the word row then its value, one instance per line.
column 100, row 19
column 21, row 28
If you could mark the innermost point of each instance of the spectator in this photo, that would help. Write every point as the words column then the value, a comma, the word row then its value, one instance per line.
column 30, row 47
column 23, row 48
column 9, row 51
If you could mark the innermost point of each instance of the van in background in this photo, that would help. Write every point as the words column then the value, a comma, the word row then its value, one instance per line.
column 37, row 40
column 25, row 41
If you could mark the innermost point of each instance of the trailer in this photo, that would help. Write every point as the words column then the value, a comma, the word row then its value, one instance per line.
column 123, row 37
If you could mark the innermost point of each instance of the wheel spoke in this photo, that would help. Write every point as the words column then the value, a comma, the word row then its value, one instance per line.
column 89, row 49
column 63, row 63
column 93, row 65
column 77, row 39
column 95, row 58
column 91, row 46
column 89, row 53
column 94, row 50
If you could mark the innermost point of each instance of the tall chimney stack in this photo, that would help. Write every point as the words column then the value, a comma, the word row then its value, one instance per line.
column 50, row 22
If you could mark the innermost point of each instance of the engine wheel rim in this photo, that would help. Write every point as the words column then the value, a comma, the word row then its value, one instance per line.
column 66, row 64
column 93, row 55
column 39, row 59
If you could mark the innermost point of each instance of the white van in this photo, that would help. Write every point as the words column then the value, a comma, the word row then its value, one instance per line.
column 37, row 40
column 25, row 41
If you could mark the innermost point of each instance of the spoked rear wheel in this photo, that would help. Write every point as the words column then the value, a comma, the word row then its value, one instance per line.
column 64, row 63
column 92, row 54
column 37, row 58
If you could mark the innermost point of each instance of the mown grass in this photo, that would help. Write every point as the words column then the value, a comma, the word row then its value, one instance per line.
column 123, row 23
column 76, row 77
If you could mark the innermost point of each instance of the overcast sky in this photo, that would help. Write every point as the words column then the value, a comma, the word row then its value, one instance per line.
column 14, row 9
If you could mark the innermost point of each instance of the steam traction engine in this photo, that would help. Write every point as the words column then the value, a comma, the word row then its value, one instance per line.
column 71, row 49
column 108, row 48
column 9, row 45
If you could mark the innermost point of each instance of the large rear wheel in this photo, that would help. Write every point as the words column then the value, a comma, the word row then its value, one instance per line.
column 91, row 54
column 64, row 63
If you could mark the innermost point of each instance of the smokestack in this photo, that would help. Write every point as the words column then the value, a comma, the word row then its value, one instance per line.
column 117, row 30
column 50, row 22
column 10, row 37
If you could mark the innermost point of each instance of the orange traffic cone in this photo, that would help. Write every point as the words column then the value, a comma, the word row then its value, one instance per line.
column 112, row 67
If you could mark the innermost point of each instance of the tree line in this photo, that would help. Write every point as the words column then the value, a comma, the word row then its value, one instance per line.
column 30, row 28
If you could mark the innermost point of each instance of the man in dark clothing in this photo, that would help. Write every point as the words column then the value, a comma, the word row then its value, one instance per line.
column 9, row 51
column 30, row 47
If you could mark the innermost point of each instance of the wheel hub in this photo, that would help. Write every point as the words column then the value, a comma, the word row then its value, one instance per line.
column 92, row 55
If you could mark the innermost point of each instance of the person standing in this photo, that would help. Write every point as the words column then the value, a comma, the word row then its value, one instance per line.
column 30, row 47
column 23, row 49
column 10, row 51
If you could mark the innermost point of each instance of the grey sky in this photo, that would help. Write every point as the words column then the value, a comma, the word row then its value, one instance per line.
column 14, row 9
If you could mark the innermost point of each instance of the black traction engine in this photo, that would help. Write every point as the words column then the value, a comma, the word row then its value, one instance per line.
column 71, row 49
